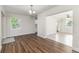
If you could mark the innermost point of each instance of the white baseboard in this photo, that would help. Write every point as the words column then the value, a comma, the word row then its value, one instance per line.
column 17, row 35
column 41, row 36
column 0, row 48
column 8, row 40
column 76, row 49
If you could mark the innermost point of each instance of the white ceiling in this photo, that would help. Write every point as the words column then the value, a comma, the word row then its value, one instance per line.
column 63, row 15
column 24, row 9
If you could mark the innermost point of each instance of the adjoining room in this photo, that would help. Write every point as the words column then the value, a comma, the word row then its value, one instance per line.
column 59, row 27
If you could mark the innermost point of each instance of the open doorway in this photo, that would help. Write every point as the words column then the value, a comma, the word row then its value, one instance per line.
column 60, row 27
column 65, row 27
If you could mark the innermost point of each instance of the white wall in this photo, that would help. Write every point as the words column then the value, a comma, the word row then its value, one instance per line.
column 27, row 25
column 41, row 26
column 50, row 25
column 60, row 9
column 4, row 26
column 0, row 31
column 0, row 28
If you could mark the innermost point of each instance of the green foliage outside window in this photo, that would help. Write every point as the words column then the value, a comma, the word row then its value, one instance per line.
column 14, row 22
column 68, row 22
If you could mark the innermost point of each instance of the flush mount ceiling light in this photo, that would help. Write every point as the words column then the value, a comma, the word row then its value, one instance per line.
column 32, row 11
column 68, row 16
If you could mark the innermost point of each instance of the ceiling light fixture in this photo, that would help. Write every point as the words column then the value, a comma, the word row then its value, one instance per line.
column 68, row 16
column 32, row 11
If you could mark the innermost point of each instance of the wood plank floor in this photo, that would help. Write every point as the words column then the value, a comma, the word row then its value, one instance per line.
column 34, row 44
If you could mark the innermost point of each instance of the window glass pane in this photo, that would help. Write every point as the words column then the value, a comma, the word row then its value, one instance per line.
column 14, row 22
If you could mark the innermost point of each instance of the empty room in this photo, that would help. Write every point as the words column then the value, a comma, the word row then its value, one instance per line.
column 39, row 28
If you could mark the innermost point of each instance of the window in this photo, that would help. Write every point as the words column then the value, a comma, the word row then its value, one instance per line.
column 14, row 22
column 68, row 22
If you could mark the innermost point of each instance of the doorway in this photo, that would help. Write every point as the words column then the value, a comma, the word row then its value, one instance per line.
column 65, row 27
column 60, row 27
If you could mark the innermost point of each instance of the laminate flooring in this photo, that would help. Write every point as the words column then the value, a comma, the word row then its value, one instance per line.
column 34, row 44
